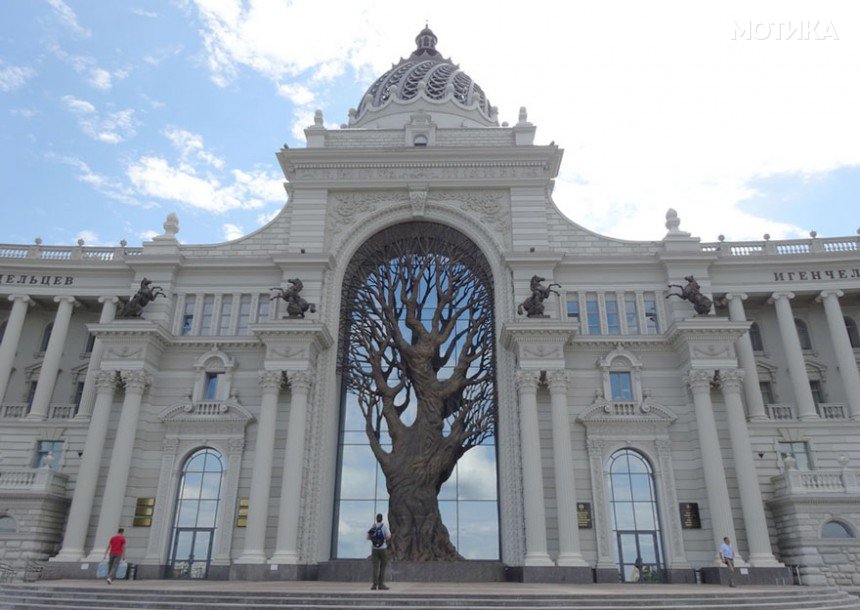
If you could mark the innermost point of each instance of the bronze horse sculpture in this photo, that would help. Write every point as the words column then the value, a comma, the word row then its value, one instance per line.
column 143, row 297
column 533, row 306
column 296, row 305
column 692, row 292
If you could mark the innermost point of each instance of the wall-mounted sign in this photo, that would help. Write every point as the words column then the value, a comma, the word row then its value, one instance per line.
column 41, row 280
column 811, row 276
column 143, row 512
column 690, row 519
column 242, row 513
column 583, row 515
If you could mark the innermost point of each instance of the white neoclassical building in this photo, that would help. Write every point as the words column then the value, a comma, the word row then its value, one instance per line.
column 215, row 428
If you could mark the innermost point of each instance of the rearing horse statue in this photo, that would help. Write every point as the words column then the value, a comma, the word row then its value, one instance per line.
column 692, row 292
column 533, row 306
column 296, row 305
column 143, row 297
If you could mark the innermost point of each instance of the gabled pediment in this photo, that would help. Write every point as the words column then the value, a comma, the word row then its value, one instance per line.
column 608, row 411
column 206, row 411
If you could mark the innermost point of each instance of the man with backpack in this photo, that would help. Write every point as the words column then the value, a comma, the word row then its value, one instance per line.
column 379, row 536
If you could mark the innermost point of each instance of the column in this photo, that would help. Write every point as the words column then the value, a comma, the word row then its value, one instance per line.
column 113, row 498
column 88, row 473
column 746, row 358
column 794, row 355
column 9, row 346
column 261, row 479
column 565, row 482
column 286, row 549
column 842, row 346
column 88, row 395
column 51, row 362
column 535, row 516
column 752, row 506
column 717, row 489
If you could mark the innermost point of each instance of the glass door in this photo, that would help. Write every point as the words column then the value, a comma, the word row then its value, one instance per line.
column 192, row 552
column 643, row 544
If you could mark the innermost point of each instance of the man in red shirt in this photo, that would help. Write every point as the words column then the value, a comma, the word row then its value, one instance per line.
column 116, row 550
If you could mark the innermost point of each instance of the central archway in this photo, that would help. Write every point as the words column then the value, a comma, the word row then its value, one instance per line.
column 418, row 409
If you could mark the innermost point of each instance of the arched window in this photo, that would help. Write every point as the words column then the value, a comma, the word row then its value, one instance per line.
column 635, row 514
column 803, row 334
column 755, row 338
column 420, row 140
column 8, row 525
column 196, row 513
column 851, row 327
column 46, row 336
column 835, row 529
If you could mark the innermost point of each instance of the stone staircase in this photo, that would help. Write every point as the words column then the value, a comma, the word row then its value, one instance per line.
column 152, row 595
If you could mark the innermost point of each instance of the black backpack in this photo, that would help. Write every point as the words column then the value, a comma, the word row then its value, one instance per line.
column 377, row 538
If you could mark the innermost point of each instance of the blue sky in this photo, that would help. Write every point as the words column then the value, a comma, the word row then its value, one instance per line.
column 113, row 114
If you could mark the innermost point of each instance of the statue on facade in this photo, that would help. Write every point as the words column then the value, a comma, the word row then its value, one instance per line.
column 296, row 305
column 143, row 297
column 533, row 306
column 692, row 292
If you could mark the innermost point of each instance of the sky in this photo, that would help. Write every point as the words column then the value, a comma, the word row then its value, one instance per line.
column 741, row 116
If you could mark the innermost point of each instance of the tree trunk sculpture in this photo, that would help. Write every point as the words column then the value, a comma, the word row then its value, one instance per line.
column 418, row 352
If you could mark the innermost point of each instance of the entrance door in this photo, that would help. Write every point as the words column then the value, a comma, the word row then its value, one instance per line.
column 192, row 552
column 639, row 543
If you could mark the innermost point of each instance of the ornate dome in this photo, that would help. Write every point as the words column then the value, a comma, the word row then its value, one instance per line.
column 425, row 75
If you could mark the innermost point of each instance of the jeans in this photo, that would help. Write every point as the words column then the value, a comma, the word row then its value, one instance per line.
column 380, row 560
column 113, row 564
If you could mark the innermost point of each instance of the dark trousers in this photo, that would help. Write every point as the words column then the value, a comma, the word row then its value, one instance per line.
column 380, row 560
column 730, row 564
column 113, row 564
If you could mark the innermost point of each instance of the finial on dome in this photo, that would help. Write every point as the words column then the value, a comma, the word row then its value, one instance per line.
column 425, row 42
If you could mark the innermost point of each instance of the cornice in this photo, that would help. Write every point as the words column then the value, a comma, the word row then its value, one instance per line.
column 542, row 330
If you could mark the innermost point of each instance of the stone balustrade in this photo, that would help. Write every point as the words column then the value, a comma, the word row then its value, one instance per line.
column 14, row 411
column 812, row 245
column 32, row 480
column 799, row 482
column 779, row 411
column 831, row 410
column 55, row 411
column 65, row 253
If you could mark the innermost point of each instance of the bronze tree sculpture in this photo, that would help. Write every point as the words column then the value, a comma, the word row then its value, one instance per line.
column 417, row 350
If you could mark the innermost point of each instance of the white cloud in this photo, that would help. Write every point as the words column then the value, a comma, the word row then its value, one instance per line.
column 68, row 17
column 232, row 231
column 90, row 238
column 87, row 66
column 162, row 53
column 143, row 13
column 14, row 77
column 297, row 94
column 190, row 146
column 110, row 187
column 267, row 217
column 27, row 113
column 112, row 128
column 148, row 235
column 658, row 109
column 156, row 177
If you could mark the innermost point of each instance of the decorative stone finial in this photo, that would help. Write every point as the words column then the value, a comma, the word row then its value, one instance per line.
column 721, row 237
column 123, row 243
column 767, row 236
column 672, row 221
column 38, row 241
column 81, row 241
column 843, row 461
column 425, row 43
column 318, row 118
column 171, row 225
column 813, row 234
column 524, row 115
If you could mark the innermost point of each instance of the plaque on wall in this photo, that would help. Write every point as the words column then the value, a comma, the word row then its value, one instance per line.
column 690, row 519
column 143, row 512
column 242, row 513
column 583, row 515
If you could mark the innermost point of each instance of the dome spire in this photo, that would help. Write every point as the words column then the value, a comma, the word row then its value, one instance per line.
column 425, row 42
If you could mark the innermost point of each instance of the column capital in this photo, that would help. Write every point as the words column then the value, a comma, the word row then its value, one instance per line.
column 731, row 296
column 67, row 299
column 699, row 380
column 109, row 299
column 731, row 380
column 106, row 381
column 558, row 381
column 135, row 382
column 24, row 298
column 829, row 293
column 301, row 381
column 527, row 380
column 271, row 380
column 776, row 296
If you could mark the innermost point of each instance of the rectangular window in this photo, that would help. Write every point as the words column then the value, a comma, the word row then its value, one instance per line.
column 91, row 340
column 31, row 392
column 226, row 315
column 206, row 315
column 210, row 391
column 652, row 325
column 631, row 313
column 263, row 308
column 613, row 320
column 188, row 314
column 799, row 450
column 244, row 315
column 46, row 448
column 817, row 391
column 573, row 307
column 622, row 386
column 767, row 392
column 79, row 393
column 592, row 313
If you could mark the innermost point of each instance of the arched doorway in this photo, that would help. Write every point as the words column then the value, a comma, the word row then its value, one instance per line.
column 635, row 515
column 418, row 404
column 197, row 503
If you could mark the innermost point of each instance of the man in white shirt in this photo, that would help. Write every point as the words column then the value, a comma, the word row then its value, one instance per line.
column 379, row 535
column 727, row 554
